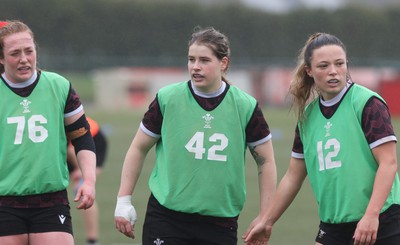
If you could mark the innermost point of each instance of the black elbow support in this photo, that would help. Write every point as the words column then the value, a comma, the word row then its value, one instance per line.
column 80, row 136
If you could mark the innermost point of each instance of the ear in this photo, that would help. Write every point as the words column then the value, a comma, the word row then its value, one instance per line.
column 308, row 71
column 224, row 63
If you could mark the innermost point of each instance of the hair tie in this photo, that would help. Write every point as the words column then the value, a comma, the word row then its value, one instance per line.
column 3, row 24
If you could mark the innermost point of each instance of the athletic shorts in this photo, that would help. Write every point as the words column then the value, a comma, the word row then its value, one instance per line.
column 101, row 148
column 15, row 221
column 342, row 234
column 168, row 227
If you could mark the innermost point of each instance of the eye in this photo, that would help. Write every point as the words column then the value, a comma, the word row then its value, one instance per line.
column 204, row 60
column 322, row 66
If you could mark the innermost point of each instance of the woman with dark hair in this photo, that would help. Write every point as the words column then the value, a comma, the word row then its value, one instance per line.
column 201, row 129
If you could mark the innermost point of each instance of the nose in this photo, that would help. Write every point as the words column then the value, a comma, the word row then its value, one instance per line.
column 332, row 70
column 23, row 58
column 196, row 65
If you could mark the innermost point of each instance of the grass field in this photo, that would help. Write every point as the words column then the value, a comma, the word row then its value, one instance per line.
column 297, row 226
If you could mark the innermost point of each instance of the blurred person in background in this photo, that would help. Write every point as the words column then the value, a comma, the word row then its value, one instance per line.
column 201, row 129
column 90, row 215
column 40, row 112
column 345, row 144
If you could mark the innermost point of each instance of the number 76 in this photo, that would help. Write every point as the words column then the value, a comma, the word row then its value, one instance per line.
column 36, row 133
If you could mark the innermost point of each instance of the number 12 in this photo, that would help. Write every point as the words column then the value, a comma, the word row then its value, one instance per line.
column 327, row 162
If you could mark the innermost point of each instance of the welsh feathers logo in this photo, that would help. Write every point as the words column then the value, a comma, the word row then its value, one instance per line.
column 327, row 127
column 25, row 105
column 207, row 120
column 158, row 241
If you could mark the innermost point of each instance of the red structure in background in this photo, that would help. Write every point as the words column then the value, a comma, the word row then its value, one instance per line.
column 390, row 91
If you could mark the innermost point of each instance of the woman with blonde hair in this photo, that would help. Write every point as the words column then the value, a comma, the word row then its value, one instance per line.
column 345, row 144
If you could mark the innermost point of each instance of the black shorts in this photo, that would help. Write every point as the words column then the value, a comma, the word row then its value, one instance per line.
column 100, row 143
column 15, row 221
column 101, row 148
column 168, row 227
column 342, row 234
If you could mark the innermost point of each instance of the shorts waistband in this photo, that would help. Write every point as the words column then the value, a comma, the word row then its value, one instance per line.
column 223, row 221
column 35, row 201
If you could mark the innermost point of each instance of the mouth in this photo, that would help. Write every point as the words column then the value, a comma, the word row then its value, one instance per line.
column 333, row 81
column 197, row 77
column 24, row 68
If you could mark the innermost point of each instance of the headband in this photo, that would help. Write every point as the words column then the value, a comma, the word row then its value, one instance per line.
column 3, row 24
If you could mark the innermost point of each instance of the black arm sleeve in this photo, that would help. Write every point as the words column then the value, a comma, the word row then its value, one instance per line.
column 82, row 138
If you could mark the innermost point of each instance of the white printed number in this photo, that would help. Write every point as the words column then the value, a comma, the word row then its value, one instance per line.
column 36, row 132
column 196, row 146
column 333, row 145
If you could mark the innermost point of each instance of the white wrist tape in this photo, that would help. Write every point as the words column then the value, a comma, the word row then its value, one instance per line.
column 125, row 209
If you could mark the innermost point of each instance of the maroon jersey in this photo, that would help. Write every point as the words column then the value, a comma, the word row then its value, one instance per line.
column 375, row 122
column 73, row 101
column 256, row 129
column 48, row 199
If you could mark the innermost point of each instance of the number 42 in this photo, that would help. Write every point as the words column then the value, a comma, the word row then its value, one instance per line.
column 196, row 145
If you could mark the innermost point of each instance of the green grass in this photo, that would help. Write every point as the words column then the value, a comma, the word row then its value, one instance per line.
column 298, row 225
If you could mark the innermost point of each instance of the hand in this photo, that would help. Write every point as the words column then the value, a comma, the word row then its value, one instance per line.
column 125, row 216
column 85, row 195
column 366, row 231
column 75, row 176
column 257, row 233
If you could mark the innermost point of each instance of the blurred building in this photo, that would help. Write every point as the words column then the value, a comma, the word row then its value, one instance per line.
column 136, row 87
